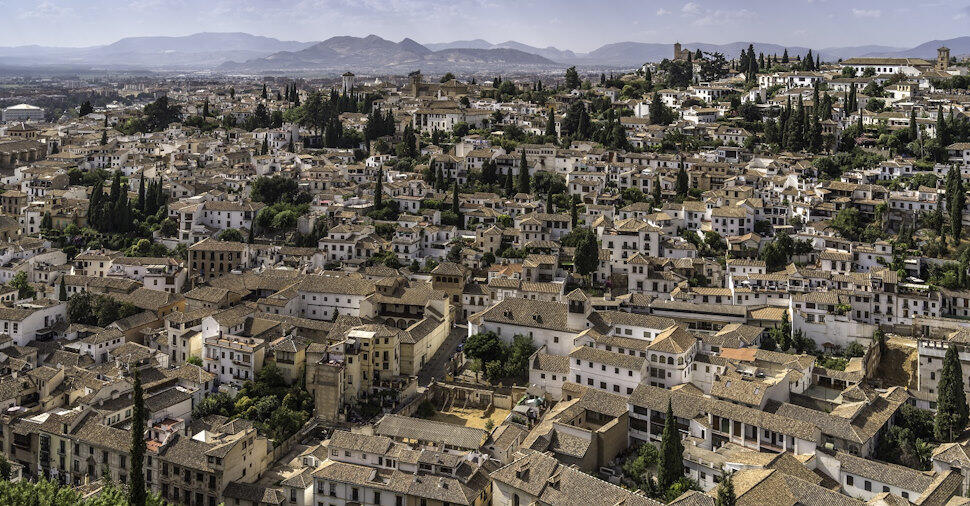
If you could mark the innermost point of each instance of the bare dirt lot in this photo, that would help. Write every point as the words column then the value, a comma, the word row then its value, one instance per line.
column 470, row 417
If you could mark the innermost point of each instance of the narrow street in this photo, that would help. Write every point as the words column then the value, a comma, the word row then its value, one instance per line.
column 437, row 366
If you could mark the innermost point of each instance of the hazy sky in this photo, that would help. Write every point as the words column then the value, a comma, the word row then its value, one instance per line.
column 579, row 25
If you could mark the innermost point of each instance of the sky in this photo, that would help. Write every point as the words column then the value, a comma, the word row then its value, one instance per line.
column 579, row 25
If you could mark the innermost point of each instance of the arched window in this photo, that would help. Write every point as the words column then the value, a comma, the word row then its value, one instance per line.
column 670, row 360
column 515, row 499
column 653, row 357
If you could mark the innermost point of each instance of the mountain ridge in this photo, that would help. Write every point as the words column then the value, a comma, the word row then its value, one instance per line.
column 240, row 51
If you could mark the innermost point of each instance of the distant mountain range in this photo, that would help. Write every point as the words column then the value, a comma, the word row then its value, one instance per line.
column 374, row 54
column 191, row 51
column 246, row 53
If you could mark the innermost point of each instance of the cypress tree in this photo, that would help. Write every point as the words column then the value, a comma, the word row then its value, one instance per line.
column 942, row 131
column 574, row 210
column 913, row 132
column 94, row 204
column 509, row 183
column 136, row 490
column 549, row 205
column 523, row 173
column 379, row 189
column 455, row 200
column 141, row 193
column 951, row 409
column 784, row 56
column 657, row 195
column 671, row 466
column 683, row 182
column 551, row 123
column 440, row 180
column 62, row 294
column 957, row 202
column 263, row 94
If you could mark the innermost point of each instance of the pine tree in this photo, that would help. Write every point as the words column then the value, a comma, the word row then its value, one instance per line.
column 725, row 493
column 951, row 409
column 671, row 466
column 136, row 489
column 523, row 172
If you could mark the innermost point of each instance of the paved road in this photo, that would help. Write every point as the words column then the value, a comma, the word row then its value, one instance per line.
column 437, row 366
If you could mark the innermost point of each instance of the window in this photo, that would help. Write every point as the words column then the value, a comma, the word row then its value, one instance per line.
column 849, row 480
column 868, row 486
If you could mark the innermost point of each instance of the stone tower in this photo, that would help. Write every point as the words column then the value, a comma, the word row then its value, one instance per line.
column 677, row 50
column 942, row 59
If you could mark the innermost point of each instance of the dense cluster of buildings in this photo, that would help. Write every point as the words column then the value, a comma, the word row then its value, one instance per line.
column 681, row 307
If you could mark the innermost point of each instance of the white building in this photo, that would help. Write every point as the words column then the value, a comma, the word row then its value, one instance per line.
column 23, row 112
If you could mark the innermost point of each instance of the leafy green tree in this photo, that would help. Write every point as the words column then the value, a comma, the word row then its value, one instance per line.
column 5, row 468
column 85, row 109
column 231, row 234
column 671, row 466
column 485, row 346
column 22, row 285
column 725, row 492
column 517, row 364
column 951, row 409
column 454, row 254
column 136, row 488
column 635, row 468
